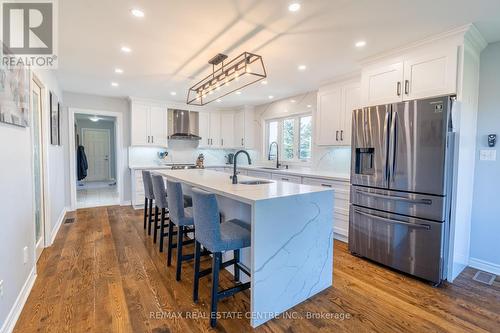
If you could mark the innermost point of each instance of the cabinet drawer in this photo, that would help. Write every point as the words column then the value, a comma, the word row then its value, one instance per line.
column 259, row 174
column 286, row 178
column 335, row 184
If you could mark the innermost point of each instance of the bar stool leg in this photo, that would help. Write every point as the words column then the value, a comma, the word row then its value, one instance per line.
column 162, row 228
column 216, row 262
column 197, row 251
column 170, row 240
column 180, row 236
column 236, row 268
column 155, row 232
column 150, row 219
column 145, row 213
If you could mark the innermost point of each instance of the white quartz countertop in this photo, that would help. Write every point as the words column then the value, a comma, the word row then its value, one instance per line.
column 322, row 174
column 220, row 183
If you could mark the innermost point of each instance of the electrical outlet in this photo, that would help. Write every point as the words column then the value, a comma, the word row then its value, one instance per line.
column 1, row 288
column 25, row 254
column 487, row 155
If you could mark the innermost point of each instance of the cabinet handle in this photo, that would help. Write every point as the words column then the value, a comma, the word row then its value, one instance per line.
column 222, row 142
column 326, row 185
column 342, row 135
column 148, row 138
column 398, row 89
column 407, row 87
column 242, row 142
column 285, row 179
column 208, row 142
column 337, row 135
column 152, row 139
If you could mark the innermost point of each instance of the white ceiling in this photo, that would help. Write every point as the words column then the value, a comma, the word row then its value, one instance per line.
column 173, row 42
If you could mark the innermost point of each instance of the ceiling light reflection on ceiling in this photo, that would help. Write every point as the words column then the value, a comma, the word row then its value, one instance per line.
column 114, row 84
column 126, row 49
column 293, row 7
column 238, row 93
column 137, row 12
column 173, row 93
column 118, row 71
column 309, row 106
column 302, row 67
column 270, row 96
column 263, row 82
column 219, row 100
column 292, row 101
column 361, row 43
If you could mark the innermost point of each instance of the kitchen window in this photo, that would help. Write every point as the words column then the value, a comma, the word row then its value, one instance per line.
column 294, row 137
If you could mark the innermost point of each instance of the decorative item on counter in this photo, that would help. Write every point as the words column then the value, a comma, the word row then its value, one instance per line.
column 230, row 158
column 162, row 155
column 199, row 161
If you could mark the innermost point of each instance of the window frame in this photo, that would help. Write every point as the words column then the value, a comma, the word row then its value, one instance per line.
column 296, row 137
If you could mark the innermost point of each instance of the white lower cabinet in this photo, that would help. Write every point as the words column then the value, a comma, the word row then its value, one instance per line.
column 137, row 188
column 340, row 203
column 286, row 178
column 259, row 174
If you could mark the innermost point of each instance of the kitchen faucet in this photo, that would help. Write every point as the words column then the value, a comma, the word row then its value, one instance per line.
column 277, row 154
column 234, row 177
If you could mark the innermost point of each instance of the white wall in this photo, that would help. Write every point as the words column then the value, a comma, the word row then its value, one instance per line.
column 94, row 102
column 16, row 200
column 333, row 159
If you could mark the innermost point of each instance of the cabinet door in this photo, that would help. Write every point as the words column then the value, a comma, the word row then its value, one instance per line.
column 215, row 137
column 204, row 132
column 227, row 129
column 259, row 174
column 328, row 116
column 382, row 85
column 158, row 126
column 430, row 75
column 286, row 178
column 351, row 101
column 239, row 129
column 249, row 117
column 139, row 125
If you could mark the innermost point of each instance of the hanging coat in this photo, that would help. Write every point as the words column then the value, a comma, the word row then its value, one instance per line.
column 81, row 163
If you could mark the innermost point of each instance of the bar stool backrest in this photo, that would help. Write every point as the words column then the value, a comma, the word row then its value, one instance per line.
column 175, row 200
column 159, row 191
column 148, row 185
column 206, row 218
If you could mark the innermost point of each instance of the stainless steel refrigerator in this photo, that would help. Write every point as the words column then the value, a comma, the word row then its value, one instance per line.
column 401, row 170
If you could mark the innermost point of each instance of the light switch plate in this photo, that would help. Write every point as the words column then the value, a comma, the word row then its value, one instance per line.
column 488, row 155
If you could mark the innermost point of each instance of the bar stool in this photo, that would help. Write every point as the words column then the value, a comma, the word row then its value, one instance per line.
column 148, row 201
column 161, row 203
column 216, row 237
column 180, row 216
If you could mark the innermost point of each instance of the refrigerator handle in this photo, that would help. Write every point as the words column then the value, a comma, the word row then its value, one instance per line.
column 411, row 225
column 392, row 144
column 398, row 88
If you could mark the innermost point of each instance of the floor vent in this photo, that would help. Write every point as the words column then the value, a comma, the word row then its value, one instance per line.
column 483, row 277
column 69, row 220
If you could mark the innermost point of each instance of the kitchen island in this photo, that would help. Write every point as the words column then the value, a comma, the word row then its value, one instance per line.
column 291, row 252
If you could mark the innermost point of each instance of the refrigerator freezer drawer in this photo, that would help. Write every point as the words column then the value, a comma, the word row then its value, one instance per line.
column 410, row 245
column 417, row 205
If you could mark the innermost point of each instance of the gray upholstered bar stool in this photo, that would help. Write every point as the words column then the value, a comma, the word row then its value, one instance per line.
column 161, row 204
column 148, row 201
column 217, row 237
column 182, row 218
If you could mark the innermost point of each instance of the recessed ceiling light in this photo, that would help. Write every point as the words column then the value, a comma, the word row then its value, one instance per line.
column 292, row 101
column 302, row 67
column 114, row 84
column 293, row 7
column 126, row 49
column 361, row 43
column 270, row 96
column 173, row 93
column 263, row 82
column 118, row 71
column 309, row 105
column 219, row 100
column 137, row 12
column 238, row 92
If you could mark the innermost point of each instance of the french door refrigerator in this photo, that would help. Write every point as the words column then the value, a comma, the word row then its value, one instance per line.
column 401, row 172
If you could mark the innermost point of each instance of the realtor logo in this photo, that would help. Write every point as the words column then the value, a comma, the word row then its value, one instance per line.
column 28, row 33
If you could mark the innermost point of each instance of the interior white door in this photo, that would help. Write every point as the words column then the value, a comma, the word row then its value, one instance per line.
column 39, row 203
column 204, row 129
column 98, row 149
column 328, row 116
column 429, row 75
column 382, row 85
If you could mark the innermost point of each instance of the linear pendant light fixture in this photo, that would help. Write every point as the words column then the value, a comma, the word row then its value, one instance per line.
column 245, row 69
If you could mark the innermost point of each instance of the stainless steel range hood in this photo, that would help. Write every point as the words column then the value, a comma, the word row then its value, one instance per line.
column 183, row 125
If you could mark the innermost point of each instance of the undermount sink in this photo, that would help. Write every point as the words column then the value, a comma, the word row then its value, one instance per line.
column 254, row 182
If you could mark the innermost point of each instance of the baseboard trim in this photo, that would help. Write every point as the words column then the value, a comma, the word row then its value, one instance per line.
column 60, row 220
column 484, row 266
column 340, row 237
column 126, row 203
column 17, row 308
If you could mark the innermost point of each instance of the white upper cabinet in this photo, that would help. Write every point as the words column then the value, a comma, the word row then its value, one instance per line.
column 418, row 74
column 431, row 74
column 243, row 128
column 148, row 125
column 333, row 114
column 382, row 84
column 210, row 129
column 227, row 129
column 204, row 129
column 215, row 135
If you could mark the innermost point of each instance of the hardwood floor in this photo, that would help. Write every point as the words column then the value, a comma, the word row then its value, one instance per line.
column 103, row 274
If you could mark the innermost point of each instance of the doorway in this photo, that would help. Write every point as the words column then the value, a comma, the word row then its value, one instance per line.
column 96, row 161
column 38, row 162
